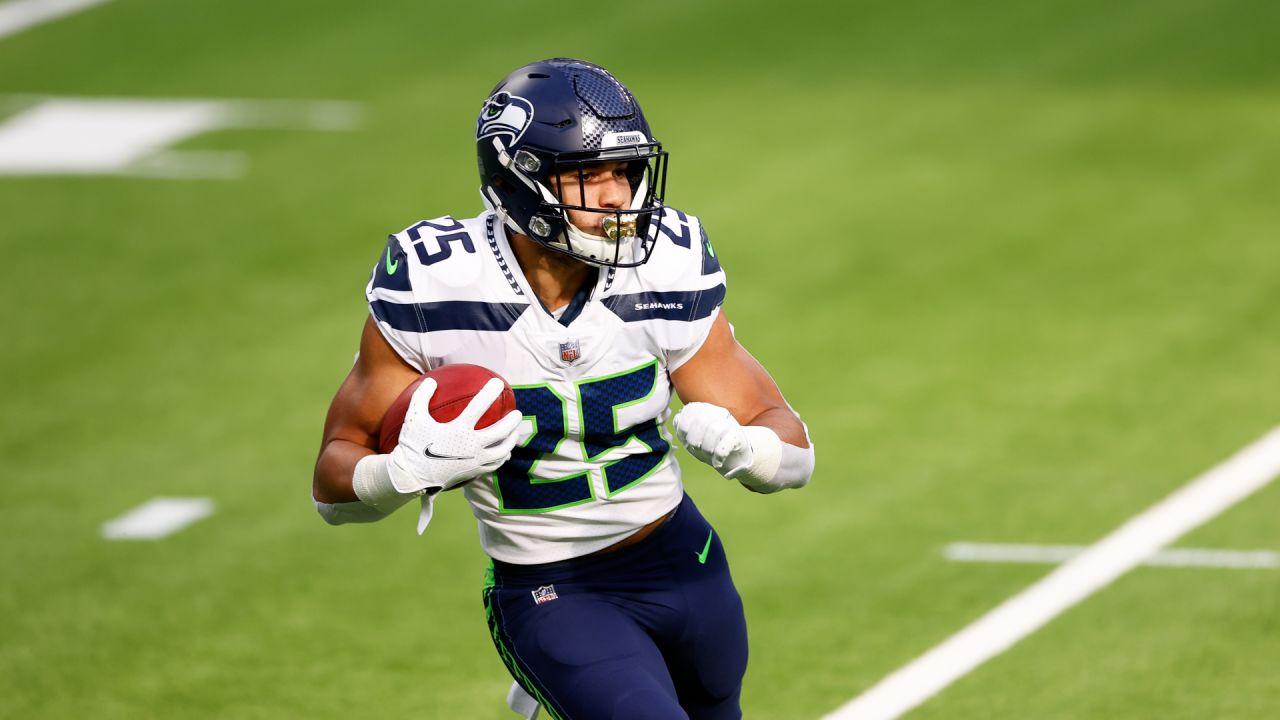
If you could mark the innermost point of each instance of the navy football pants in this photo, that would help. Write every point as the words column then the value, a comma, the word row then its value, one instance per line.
column 653, row 631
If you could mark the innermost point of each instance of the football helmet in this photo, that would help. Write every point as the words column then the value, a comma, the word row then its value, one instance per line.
column 539, row 129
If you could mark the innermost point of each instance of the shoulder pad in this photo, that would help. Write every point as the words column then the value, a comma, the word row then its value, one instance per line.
column 391, row 271
column 680, row 229
column 433, row 241
column 682, row 281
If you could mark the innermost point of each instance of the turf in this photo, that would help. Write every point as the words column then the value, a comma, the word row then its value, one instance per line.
column 1015, row 263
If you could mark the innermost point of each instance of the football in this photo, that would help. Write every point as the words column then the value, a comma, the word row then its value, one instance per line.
column 456, row 385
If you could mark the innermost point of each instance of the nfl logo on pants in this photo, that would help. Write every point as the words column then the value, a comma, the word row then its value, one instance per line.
column 544, row 594
column 570, row 351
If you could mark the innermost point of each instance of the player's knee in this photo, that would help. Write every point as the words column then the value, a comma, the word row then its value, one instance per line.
column 647, row 704
column 721, row 657
column 719, row 681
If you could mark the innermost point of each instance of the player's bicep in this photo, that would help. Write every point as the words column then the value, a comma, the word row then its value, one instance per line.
column 378, row 376
column 355, row 415
column 723, row 373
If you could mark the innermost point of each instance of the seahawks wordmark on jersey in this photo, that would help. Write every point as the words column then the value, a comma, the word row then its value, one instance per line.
column 594, row 462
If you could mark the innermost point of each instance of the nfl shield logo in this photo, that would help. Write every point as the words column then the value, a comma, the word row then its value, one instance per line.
column 570, row 351
column 546, row 593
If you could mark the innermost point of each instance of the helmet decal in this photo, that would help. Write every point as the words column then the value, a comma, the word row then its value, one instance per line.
column 614, row 139
column 506, row 115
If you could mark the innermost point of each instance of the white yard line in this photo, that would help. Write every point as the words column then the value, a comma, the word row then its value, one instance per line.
column 134, row 137
column 1053, row 554
column 1097, row 566
column 18, row 15
column 157, row 518
column 84, row 136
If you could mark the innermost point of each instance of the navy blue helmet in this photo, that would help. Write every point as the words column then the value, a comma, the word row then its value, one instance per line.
column 541, row 127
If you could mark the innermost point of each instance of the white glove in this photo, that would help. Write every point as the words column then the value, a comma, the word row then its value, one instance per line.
column 752, row 454
column 434, row 456
column 711, row 434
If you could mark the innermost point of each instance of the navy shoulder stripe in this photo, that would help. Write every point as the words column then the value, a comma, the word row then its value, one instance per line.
column 686, row 306
column 675, row 225
column 391, row 272
column 710, row 263
column 448, row 315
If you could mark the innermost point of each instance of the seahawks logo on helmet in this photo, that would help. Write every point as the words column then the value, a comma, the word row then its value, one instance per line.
column 504, row 114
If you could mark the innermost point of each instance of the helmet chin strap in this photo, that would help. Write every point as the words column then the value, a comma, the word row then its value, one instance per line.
column 598, row 247
column 593, row 247
column 491, row 203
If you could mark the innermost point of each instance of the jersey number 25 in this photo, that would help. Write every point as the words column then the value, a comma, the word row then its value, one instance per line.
column 519, row 487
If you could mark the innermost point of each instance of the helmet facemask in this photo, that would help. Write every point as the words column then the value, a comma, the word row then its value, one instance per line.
column 540, row 131
column 628, row 232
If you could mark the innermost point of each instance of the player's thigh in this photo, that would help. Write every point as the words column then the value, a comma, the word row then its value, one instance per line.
column 709, row 667
column 586, row 658
column 709, row 659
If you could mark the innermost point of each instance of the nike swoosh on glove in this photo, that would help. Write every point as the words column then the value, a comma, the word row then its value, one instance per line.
column 434, row 456
column 711, row 434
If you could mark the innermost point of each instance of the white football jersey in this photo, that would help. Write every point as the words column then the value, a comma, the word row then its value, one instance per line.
column 595, row 461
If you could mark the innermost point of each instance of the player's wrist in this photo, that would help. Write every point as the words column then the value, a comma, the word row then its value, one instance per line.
column 348, row 512
column 374, row 482
column 763, row 453
column 773, row 465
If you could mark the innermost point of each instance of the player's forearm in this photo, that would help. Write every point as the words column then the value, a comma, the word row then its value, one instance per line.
column 334, row 470
column 339, row 472
column 782, row 456
column 784, row 423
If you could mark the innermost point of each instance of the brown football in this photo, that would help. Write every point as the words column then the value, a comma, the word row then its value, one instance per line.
column 456, row 385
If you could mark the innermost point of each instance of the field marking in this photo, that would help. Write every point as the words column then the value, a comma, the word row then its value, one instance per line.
column 1053, row 554
column 18, row 15
column 74, row 136
column 157, row 518
column 133, row 136
column 1095, row 567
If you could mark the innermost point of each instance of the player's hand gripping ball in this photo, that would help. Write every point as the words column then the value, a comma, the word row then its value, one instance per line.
column 451, row 425
column 455, row 386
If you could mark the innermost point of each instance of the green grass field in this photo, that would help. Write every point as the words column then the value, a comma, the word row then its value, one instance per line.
column 1017, row 265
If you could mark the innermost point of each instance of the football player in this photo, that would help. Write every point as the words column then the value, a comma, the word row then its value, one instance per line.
column 608, row 594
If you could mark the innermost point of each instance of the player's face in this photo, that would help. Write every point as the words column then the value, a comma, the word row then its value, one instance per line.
column 601, row 185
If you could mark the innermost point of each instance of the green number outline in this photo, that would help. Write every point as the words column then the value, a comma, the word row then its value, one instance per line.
column 564, row 435
column 582, row 424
